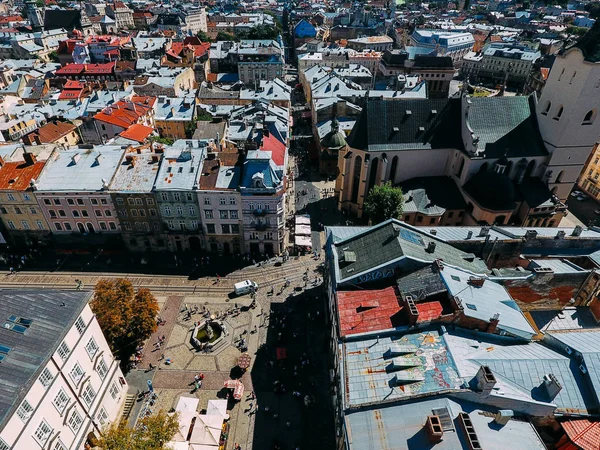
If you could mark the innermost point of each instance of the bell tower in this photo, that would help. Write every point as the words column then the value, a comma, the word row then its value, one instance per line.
column 34, row 15
column 567, row 111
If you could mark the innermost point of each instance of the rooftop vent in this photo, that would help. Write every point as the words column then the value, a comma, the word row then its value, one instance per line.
column 503, row 416
column 408, row 112
column 349, row 256
column 430, row 247
column 476, row 281
column 551, row 385
column 434, row 430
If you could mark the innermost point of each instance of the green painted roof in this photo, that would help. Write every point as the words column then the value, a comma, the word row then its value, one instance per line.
column 388, row 242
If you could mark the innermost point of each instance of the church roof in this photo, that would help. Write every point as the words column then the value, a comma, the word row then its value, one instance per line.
column 505, row 126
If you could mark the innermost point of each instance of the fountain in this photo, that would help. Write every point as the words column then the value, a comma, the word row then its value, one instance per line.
column 208, row 334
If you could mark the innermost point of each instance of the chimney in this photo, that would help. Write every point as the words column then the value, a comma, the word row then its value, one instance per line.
column 494, row 321
column 503, row 416
column 577, row 231
column 1, row 161
column 30, row 158
column 104, row 183
column 476, row 281
column 485, row 380
column 433, row 428
column 469, row 429
column 551, row 385
column 484, row 231
column 33, row 184
column 154, row 158
column 75, row 158
column 430, row 247
column 530, row 235
column 560, row 235
column 411, row 309
column 469, row 235
column 172, row 112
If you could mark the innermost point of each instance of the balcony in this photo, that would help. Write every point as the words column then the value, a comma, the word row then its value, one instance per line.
column 260, row 226
column 260, row 212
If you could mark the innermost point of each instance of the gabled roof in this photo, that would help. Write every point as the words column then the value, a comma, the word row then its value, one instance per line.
column 393, row 243
column 16, row 176
column 53, row 313
column 408, row 124
column 137, row 132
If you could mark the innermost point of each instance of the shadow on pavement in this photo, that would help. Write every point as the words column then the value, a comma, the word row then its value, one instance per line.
column 290, row 378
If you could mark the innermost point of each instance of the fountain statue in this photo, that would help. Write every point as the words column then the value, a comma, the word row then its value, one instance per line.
column 209, row 332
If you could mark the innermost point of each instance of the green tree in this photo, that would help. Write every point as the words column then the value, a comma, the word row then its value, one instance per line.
column 40, row 3
column 162, row 140
column 263, row 32
column 222, row 36
column 152, row 433
column 53, row 56
column 127, row 317
column 577, row 31
column 203, row 36
column 190, row 129
column 384, row 202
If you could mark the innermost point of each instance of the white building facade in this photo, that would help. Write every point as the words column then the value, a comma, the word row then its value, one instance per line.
column 78, row 390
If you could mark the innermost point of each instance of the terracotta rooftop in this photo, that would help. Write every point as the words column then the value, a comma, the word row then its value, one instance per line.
column 17, row 175
column 583, row 433
column 53, row 131
column 125, row 113
column 368, row 310
column 137, row 132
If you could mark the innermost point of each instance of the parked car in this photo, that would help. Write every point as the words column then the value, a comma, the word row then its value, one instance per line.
column 582, row 197
column 576, row 193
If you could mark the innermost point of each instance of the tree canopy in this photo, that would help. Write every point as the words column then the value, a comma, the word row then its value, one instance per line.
column 127, row 317
column 384, row 202
column 222, row 36
column 152, row 433
column 203, row 36
column 260, row 32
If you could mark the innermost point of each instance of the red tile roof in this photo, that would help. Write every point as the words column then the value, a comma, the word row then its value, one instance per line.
column 53, row 131
column 583, row 433
column 70, row 69
column 100, row 69
column 199, row 50
column 137, row 132
column 271, row 144
column 369, row 310
column 125, row 113
column 17, row 175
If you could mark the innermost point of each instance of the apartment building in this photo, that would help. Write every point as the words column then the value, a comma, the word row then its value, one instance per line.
column 262, row 188
column 221, row 203
column 500, row 62
column 174, row 116
column 60, row 381
column 73, row 194
column 444, row 43
column 176, row 192
column 20, row 213
column 131, row 193
column 117, row 117
column 589, row 178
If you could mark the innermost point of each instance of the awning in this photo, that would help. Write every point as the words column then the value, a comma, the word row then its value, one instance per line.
column 303, row 241
column 302, row 230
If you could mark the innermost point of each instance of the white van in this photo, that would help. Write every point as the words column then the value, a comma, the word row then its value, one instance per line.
column 245, row 287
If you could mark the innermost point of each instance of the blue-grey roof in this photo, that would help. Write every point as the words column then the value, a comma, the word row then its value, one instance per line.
column 519, row 370
column 586, row 343
column 259, row 164
column 76, row 169
column 569, row 318
column 402, row 427
column 424, row 366
column 52, row 313
column 557, row 265
column 175, row 108
column 182, row 165
column 483, row 302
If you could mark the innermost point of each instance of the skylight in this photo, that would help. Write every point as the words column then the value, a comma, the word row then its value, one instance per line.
column 4, row 352
column 17, row 324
